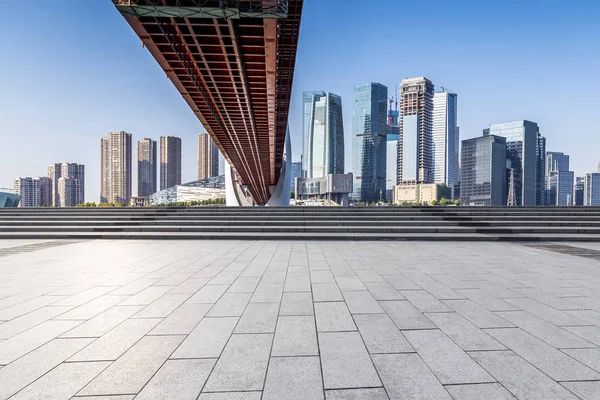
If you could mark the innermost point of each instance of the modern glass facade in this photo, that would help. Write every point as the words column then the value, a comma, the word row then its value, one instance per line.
column 522, row 149
column 540, row 180
column 323, row 140
column 296, row 172
column 369, row 142
column 410, row 148
column 559, row 181
column 8, row 198
column 591, row 189
column 483, row 171
column 579, row 188
column 445, row 136
column 204, row 189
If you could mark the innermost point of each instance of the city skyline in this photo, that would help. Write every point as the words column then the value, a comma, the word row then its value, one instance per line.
column 486, row 86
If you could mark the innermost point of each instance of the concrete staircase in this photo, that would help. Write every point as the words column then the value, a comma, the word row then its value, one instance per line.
column 305, row 223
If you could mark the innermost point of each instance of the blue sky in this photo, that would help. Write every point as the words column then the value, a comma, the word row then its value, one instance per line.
column 73, row 70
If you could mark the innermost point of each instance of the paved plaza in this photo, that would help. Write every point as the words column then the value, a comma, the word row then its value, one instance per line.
column 233, row 320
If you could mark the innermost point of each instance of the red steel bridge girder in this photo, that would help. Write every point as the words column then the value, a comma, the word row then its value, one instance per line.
column 233, row 63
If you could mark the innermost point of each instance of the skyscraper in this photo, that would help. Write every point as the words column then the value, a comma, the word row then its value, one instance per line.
column 393, row 136
column 369, row 142
column 483, row 171
column 170, row 161
column 445, row 132
column 323, row 135
column 558, row 179
column 591, row 189
column 116, row 167
column 578, row 190
column 296, row 173
column 146, row 167
column 105, row 162
column 71, row 192
column 540, row 177
column 522, row 148
column 416, row 119
column 208, row 157
column 54, row 173
column 34, row 192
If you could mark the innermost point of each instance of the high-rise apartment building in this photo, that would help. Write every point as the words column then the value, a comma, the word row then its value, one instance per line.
column 522, row 149
column 146, row 167
column 393, row 136
column 591, row 189
column 116, row 168
column 34, row 192
column 208, row 157
column 369, row 139
column 54, row 173
column 170, row 161
column 75, row 175
column 483, row 171
column 323, row 138
column 445, row 136
column 416, row 120
column 69, row 192
column 105, row 163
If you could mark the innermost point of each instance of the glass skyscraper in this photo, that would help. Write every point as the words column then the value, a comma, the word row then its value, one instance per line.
column 591, row 189
column 559, row 180
column 445, row 134
column 522, row 149
column 369, row 142
column 483, row 171
column 323, row 139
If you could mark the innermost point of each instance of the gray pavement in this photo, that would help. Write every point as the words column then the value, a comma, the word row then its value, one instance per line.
column 215, row 320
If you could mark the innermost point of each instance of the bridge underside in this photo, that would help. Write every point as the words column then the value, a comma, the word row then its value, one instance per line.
column 233, row 63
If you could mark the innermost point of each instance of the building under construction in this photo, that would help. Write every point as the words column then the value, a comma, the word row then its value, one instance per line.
column 414, row 146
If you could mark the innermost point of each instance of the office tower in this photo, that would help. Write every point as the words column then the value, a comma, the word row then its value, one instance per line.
column 296, row 172
column 522, row 149
column 208, row 157
column 416, row 120
column 393, row 136
column 170, row 161
column 578, row 190
column 34, row 192
column 146, row 167
column 323, row 138
column 116, row 167
column 444, row 134
column 558, row 179
column 562, row 185
column 369, row 138
column 540, row 178
column 591, row 189
column 105, row 163
column 483, row 171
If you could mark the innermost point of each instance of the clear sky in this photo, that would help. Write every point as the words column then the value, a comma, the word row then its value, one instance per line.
column 73, row 70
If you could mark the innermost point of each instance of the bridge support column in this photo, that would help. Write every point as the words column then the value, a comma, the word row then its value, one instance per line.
column 280, row 193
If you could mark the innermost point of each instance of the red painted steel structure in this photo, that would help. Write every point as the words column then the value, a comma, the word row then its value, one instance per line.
column 233, row 62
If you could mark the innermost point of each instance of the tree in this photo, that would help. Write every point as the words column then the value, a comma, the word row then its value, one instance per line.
column 292, row 195
column 434, row 202
column 443, row 201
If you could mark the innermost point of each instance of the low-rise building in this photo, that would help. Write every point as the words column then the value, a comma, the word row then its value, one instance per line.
column 332, row 188
column 8, row 198
column 203, row 189
column 421, row 193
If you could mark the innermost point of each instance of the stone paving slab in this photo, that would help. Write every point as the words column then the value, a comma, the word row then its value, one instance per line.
column 239, row 320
